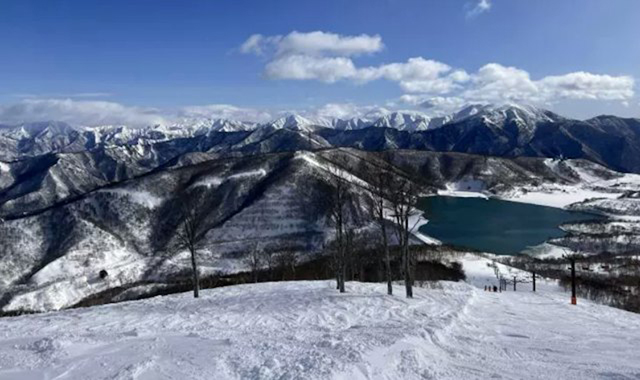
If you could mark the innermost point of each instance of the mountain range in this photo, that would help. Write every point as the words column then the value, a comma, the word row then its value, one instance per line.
column 505, row 131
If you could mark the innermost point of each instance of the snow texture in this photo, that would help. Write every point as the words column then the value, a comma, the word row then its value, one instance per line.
column 295, row 330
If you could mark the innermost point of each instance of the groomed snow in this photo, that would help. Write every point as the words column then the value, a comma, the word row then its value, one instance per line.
column 306, row 330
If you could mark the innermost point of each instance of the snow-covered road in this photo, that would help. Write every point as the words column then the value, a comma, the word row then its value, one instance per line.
column 306, row 330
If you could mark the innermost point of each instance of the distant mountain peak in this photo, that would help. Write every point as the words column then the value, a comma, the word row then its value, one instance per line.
column 293, row 122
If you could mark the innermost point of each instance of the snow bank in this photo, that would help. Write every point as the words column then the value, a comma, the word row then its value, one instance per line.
column 415, row 222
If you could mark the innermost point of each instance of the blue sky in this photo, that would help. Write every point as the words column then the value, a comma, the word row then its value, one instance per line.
column 155, row 57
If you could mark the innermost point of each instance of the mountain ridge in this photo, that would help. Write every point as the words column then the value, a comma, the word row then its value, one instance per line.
column 510, row 130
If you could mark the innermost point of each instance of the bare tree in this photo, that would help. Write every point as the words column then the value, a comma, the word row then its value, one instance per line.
column 379, row 207
column 270, row 259
column 360, row 256
column 404, row 199
column 190, row 234
column 338, row 206
column 350, row 257
column 254, row 261
column 287, row 261
column 330, row 195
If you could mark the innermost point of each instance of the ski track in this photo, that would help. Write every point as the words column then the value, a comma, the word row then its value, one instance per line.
column 306, row 330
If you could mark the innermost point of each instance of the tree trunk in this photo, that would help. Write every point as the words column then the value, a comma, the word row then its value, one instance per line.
column 343, row 275
column 408, row 281
column 387, row 257
column 336, row 265
column 196, row 278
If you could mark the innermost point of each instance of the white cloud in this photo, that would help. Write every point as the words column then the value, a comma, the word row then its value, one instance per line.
column 480, row 7
column 305, row 67
column 227, row 111
column 345, row 111
column 496, row 83
column 327, row 57
column 254, row 44
column 78, row 112
column 414, row 70
column 583, row 85
column 434, row 105
column 316, row 43
column 415, row 75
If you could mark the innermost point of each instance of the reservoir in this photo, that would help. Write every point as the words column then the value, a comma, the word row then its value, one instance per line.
column 493, row 225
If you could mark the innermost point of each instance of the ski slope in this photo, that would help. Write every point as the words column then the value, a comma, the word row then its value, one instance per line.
column 306, row 330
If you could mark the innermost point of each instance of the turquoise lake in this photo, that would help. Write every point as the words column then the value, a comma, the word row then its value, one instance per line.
column 494, row 225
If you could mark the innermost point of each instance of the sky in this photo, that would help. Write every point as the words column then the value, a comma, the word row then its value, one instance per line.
column 147, row 61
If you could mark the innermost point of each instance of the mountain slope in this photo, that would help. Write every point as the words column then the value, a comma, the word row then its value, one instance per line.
column 52, row 255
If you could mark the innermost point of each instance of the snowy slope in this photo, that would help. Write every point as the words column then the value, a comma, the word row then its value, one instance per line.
column 295, row 330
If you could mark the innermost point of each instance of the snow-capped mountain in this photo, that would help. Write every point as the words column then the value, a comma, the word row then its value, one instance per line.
column 506, row 130
column 297, row 123
column 497, row 114
column 409, row 121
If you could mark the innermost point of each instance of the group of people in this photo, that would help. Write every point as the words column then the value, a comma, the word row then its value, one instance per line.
column 489, row 288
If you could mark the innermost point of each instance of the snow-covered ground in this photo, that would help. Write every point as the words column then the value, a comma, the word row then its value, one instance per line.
column 591, row 186
column 306, row 330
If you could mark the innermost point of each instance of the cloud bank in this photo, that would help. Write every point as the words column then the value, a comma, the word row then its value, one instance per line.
column 78, row 112
column 94, row 113
column 329, row 58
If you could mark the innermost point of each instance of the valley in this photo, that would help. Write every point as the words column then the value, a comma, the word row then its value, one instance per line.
column 71, row 209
